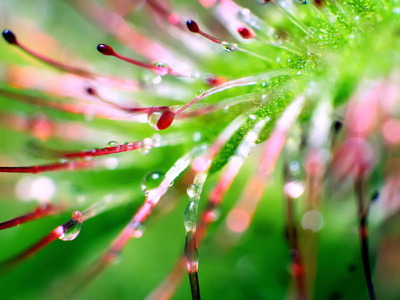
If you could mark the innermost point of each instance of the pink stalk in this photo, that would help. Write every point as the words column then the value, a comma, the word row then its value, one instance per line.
column 355, row 157
column 248, row 200
column 159, row 69
column 229, row 47
column 363, row 209
column 147, row 110
column 252, row 80
column 132, row 229
column 80, row 109
column 201, row 165
column 315, row 167
column 298, row 270
column 51, row 237
column 164, row 12
column 241, row 215
column 11, row 39
column 61, row 231
column 124, row 33
column 144, row 211
column 126, row 84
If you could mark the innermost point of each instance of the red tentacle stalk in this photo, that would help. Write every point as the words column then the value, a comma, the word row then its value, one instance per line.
column 39, row 212
column 70, row 165
column 363, row 229
column 298, row 269
column 11, row 39
column 51, row 237
column 157, row 68
column 165, row 13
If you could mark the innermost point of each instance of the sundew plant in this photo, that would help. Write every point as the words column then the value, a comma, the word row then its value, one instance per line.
column 221, row 149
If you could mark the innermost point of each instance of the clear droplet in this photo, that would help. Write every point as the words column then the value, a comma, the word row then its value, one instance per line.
column 196, row 136
column 161, row 120
column 190, row 217
column 152, row 180
column 294, row 189
column 312, row 220
column 113, row 257
column 263, row 84
column 129, row 146
column 72, row 233
column 191, row 190
column 157, row 80
column 199, row 92
column 211, row 216
column 153, row 118
column 112, row 144
column 156, row 140
column 294, row 167
column 161, row 68
column 138, row 232
column 147, row 145
column 229, row 47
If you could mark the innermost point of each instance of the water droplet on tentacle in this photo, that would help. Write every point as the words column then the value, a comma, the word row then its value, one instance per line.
column 138, row 232
column 72, row 232
column 161, row 120
column 199, row 92
column 229, row 47
column 112, row 144
column 190, row 217
column 147, row 145
column 152, row 180
column 191, row 190
column 293, row 189
column 161, row 68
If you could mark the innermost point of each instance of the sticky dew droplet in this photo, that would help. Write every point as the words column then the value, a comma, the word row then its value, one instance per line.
column 152, row 180
column 245, row 33
column 192, row 26
column 77, row 216
column 105, row 50
column 161, row 120
column 9, row 36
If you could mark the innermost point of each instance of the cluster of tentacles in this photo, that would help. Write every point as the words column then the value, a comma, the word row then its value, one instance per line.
column 285, row 94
